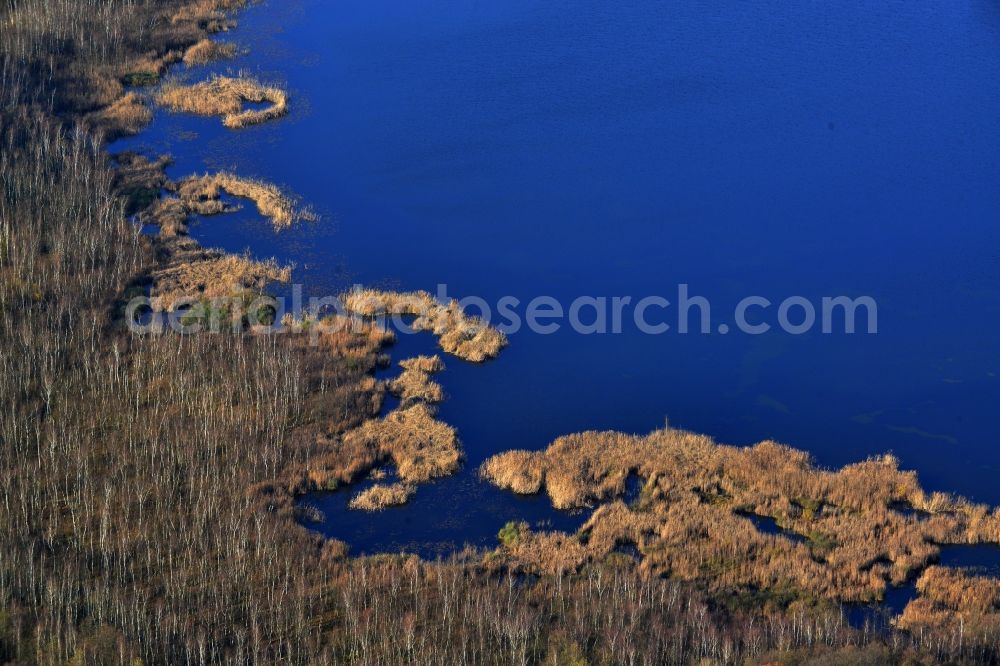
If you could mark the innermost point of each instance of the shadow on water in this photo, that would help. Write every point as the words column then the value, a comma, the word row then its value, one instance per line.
column 633, row 489
column 909, row 511
column 975, row 559
column 878, row 617
column 768, row 525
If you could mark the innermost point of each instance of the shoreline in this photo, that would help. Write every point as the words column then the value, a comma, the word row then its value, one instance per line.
column 374, row 302
column 153, row 481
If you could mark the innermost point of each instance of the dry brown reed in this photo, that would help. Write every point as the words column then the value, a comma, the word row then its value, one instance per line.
column 226, row 96
column 149, row 482
column 203, row 195
column 689, row 518
column 466, row 337
column 125, row 116
column 209, row 274
column 414, row 384
column 421, row 448
column 427, row 364
column 380, row 497
column 207, row 50
column 186, row 271
column 953, row 600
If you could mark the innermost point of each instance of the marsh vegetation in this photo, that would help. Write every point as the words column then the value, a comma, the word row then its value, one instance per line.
column 414, row 384
column 689, row 519
column 207, row 50
column 381, row 496
column 227, row 97
column 467, row 337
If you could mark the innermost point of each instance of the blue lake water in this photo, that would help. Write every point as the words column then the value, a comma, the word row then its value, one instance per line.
column 531, row 148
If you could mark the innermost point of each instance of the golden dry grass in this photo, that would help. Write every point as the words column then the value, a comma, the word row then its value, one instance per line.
column 553, row 553
column 225, row 96
column 187, row 271
column 414, row 384
column 203, row 195
column 170, row 215
column 466, row 337
column 209, row 13
column 688, row 519
column 953, row 599
column 426, row 364
column 125, row 116
column 381, row 496
column 212, row 275
column 207, row 50
column 421, row 448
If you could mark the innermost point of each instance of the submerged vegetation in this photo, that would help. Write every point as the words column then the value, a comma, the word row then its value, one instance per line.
column 148, row 482
column 227, row 97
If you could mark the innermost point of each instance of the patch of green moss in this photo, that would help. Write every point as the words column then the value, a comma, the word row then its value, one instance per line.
column 510, row 534
column 811, row 508
column 821, row 543
column 140, row 79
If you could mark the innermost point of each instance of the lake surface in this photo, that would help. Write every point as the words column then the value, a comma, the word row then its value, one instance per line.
column 532, row 148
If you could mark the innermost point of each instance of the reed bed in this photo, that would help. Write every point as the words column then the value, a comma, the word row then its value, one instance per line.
column 226, row 97
column 203, row 195
column 689, row 519
column 414, row 384
column 208, row 50
column 210, row 275
column 380, row 497
column 953, row 600
column 421, row 447
column 124, row 117
column 459, row 334
column 186, row 271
